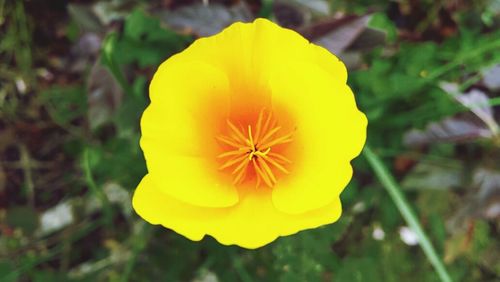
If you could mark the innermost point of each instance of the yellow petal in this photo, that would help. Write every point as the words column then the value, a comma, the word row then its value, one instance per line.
column 252, row 223
column 330, row 132
column 330, row 63
column 178, row 132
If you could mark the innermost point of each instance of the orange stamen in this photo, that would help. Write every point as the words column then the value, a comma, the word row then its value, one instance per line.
column 254, row 149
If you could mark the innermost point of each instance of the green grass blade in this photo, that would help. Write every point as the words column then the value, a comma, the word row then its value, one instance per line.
column 397, row 196
column 96, row 191
column 139, row 242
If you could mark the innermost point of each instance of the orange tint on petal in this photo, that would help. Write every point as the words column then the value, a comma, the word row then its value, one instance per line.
column 178, row 132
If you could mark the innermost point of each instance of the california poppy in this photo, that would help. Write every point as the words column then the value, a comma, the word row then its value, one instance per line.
column 249, row 136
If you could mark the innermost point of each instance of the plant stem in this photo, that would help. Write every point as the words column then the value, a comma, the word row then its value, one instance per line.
column 139, row 242
column 109, row 61
column 387, row 180
column 98, row 193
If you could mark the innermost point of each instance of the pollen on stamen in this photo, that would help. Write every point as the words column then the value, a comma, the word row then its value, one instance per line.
column 252, row 149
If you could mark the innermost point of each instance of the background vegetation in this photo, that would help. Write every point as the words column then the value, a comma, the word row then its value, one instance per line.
column 73, row 84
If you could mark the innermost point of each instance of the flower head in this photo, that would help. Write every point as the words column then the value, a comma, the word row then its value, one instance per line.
column 249, row 136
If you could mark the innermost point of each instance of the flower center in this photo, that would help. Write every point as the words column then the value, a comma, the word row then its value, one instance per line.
column 248, row 150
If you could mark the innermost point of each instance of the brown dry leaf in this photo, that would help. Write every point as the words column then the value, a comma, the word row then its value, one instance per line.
column 368, row 39
column 448, row 130
column 295, row 13
column 336, row 34
column 434, row 176
column 104, row 95
column 346, row 37
column 199, row 18
column 315, row 7
column 476, row 101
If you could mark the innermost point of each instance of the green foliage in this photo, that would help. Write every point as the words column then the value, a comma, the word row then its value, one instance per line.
column 6, row 270
column 146, row 43
column 308, row 254
column 65, row 104
column 382, row 22
column 111, row 159
column 405, row 83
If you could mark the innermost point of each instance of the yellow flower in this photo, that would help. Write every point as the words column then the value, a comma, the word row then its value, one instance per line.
column 249, row 136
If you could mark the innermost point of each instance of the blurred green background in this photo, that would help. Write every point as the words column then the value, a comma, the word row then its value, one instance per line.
column 73, row 85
